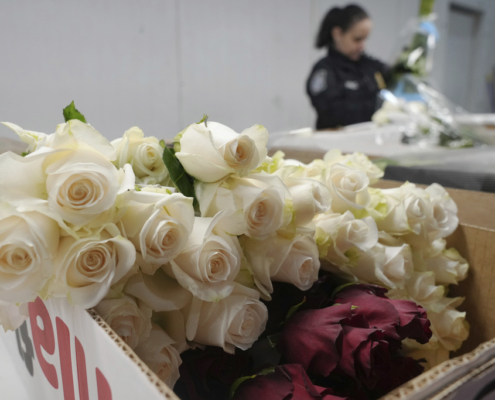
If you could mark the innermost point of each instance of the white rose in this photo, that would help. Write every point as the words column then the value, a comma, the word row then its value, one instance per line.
column 75, row 135
column 433, row 352
column 280, row 259
column 356, row 161
column 339, row 236
column 261, row 197
column 83, row 184
column 348, row 187
column 444, row 210
column 421, row 288
column 12, row 316
column 449, row 267
column 34, row 140
column 160, row 356
column 158, row 291
column 309, row 197
column 235, row 321
column 29, row 239
column 129, row 319
column 145, row 156
column 210, row 153
column 393, row 220
column 87, row 267
column 315, row 169
column 449, row 326
column 158, row 225
column 423, row 226
column 69, row 136
column 388, row 266
column 30, row 168
column 211, row 261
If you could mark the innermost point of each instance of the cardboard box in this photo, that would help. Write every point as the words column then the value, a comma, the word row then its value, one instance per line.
column 63, row 352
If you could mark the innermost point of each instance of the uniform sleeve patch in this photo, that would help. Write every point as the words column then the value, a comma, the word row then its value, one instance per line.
column 318, row 82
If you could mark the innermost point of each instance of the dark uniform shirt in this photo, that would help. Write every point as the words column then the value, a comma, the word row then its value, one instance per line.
column 343, row 91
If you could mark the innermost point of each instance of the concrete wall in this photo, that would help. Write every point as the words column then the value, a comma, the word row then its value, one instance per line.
column 161, row 64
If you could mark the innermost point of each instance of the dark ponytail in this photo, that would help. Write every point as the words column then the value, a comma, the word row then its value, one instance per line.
column 344, row 18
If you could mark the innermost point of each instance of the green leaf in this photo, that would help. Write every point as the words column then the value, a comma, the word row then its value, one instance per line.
column 162, row 143
column 237, row 383
column 273, row 340
column 266, row 371
column 71, row 112
column 204, row 119
column 293, row 309
column 25, row 153
column 182, row 181
column 343, row 287
column 137, row 188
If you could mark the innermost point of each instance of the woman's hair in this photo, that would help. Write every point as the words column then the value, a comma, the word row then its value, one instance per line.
column 344, row 18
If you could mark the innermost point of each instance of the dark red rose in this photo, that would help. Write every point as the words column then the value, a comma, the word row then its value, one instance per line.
column 399, row 319
column 313, row 338
column 403, row 370
column 286, row 382
column 208, row 374
column 365, row 355
column 414, row 322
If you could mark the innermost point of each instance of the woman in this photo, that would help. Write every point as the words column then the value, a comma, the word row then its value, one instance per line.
column 343, row 86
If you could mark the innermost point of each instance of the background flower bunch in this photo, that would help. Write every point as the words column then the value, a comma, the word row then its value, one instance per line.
column 179, row 274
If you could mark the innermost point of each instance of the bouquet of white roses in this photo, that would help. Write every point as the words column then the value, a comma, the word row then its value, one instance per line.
column 181, row 248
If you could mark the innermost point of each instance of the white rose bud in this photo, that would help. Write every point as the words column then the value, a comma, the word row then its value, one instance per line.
column 449, row 325
column 348, row 187
column 235, row 321
column 160, row 356
column 449, row 267
column 444, row 210
column 159, row 226
column 29, row 239
column 145, row 156
column 87, row 267
column 213, row 151
column 280, row 259
column 261, row 197
column 129, row 319
column 83, row 184
column 211, row 261
column 339, row 236
column 74, row 135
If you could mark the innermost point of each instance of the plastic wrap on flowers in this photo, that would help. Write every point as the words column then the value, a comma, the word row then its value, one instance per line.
column 229, row 282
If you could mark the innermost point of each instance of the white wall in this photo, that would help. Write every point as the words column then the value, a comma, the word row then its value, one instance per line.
column 161, row 64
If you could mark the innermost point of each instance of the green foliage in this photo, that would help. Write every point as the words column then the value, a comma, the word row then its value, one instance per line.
column 182, row 181
column 71, row 112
